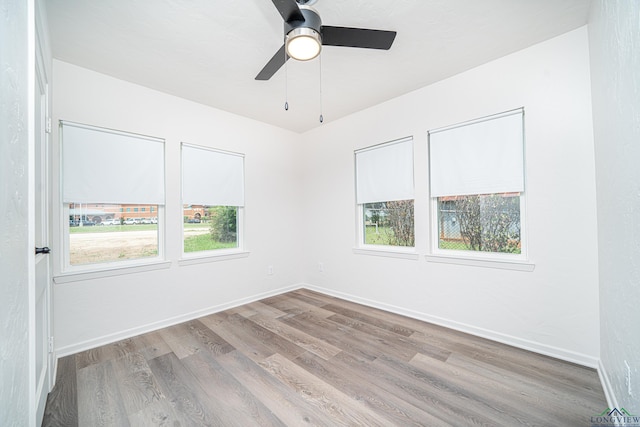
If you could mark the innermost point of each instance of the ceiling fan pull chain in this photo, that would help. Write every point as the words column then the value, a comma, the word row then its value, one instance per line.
column 286, row 83
column 320, row 62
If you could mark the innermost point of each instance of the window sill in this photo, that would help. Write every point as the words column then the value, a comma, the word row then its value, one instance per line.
column 517, row 265
column 389, row 253
column 108, row 272
column 201, row 259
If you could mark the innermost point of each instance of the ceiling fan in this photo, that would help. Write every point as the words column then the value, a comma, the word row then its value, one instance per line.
column 305, row 35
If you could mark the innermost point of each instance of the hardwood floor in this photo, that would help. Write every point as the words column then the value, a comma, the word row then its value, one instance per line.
column 304, row 358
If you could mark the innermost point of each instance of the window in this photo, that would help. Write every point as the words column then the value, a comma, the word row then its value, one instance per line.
column 477, row 186
column 384, row 194
column 213, row 199
column 98, row 167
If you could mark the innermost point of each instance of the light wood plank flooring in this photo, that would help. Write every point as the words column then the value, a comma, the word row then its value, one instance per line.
column 304, row 358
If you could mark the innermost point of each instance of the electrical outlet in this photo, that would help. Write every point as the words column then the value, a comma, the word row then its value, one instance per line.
column 270, row 270
column 628, row 378
column 321, row 267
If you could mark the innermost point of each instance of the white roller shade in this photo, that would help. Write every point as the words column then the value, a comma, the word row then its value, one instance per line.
column 385, row 172
column 211, row 177
column 106, row 166
column 479, row 157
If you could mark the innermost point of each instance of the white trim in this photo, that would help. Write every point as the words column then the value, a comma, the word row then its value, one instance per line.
column 96, row 273
column 29, row 118
column 213, row 257
column 54, row 369
column 386, row 251
column 547, row 350
column 111, row 338
column 497, row 263
column 609, row 394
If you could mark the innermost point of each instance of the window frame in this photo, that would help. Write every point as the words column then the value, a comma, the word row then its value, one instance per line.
column 71, row 273
column 213, row 255
column 362, row 248
column 502, row 260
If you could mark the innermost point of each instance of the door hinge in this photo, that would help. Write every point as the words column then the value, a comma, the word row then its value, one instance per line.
column 50, row 344
column 48, row 126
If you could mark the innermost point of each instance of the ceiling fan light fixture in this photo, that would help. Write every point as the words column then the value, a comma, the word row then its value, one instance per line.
column 303, row 43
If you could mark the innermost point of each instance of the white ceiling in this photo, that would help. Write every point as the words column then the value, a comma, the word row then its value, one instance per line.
column 210, row 51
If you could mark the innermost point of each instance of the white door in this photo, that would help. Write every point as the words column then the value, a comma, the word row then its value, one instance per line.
column 40, row 328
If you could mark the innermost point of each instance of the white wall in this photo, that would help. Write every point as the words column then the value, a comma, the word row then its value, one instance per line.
column 614, row 36
column 91, row 312
column 15, row 406
column 553, row 309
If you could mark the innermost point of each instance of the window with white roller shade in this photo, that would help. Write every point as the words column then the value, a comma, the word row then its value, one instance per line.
column 211, row 177
column 484, row 156
column 385, row 193
column 213, row 199
column 113, row 196
column 385, row 172
column 110, row 166
column 477, row 186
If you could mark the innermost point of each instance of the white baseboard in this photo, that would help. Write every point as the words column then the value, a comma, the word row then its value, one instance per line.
column 111, row 338
column 547, row 350
column 556, row 352
column 612, row 401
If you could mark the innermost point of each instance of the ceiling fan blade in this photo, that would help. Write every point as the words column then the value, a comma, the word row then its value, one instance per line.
column 289, row 10
column 273, row 65
column 357, row 37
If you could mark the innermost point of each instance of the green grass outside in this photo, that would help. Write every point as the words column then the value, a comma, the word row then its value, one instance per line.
column 204, row 242
column 460, row 246
column 452, row 244
column 379, row 238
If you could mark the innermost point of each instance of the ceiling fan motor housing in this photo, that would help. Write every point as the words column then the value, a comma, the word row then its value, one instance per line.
column 311, row 20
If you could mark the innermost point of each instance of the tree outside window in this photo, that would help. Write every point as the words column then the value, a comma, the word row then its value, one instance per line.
column 484, row 223
column 389, row 223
